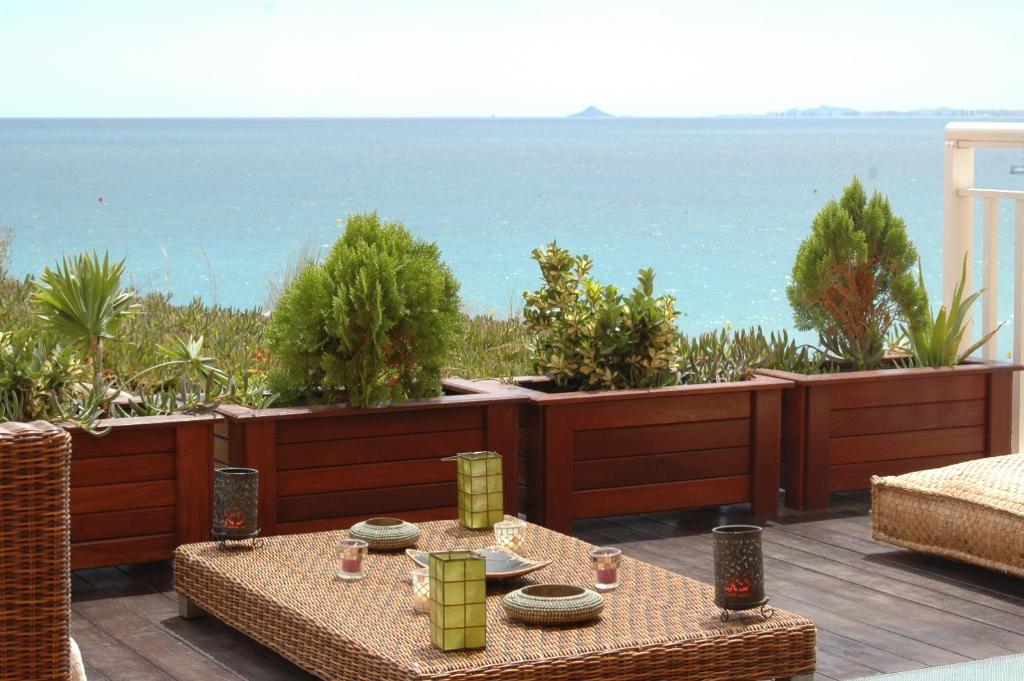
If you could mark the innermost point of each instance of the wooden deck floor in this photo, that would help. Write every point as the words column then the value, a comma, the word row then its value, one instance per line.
column 878, row 609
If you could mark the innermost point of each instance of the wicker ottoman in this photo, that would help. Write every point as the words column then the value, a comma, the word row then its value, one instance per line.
column 971, row 511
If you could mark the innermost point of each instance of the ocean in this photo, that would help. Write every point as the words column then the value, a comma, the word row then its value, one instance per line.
column 218, row 208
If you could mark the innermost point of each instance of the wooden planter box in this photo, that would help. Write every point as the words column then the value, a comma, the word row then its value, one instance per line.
column 840, row 429
column 327, row 467
column 593, row 454
column 141, row 490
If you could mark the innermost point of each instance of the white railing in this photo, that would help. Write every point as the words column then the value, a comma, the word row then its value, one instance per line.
column 958, row 237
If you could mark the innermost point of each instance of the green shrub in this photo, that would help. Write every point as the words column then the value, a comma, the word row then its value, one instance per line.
column 727, row 355
column 376, row 319
column 589, row 337
column 40, row 379
column 936, row 342
column 852, row 277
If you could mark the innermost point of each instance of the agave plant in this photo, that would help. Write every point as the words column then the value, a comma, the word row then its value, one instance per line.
column 936, row 342
column 189, row 367
column 82, row 300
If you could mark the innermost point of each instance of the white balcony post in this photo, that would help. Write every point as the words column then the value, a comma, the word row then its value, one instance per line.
column 990, row 277
column 958, row 223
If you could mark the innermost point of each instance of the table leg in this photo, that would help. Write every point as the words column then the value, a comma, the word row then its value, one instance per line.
column 187, row 610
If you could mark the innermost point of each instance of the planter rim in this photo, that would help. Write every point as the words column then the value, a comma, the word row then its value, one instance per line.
column 756, row 383
column 971, row 366
column 128, row 422
column 237, row 413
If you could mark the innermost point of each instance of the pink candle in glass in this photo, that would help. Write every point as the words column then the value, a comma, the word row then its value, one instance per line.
column 606, row 567
column 351, row 556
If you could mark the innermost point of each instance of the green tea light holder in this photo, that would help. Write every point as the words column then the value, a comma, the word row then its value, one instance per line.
column 481, row 489
column 458, row 592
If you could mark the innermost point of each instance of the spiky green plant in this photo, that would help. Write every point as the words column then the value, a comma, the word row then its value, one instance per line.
column 852, row 277
column 82, row 300
column 935, row 342
column 734, row 355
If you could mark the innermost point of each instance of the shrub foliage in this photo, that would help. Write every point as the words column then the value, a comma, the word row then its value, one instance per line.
column 589, row 337
column 374, row 320
column 852, row 277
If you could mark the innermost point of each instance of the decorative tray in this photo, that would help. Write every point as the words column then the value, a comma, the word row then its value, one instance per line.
column 553, row 604
column 501, row 563
column 385, row 534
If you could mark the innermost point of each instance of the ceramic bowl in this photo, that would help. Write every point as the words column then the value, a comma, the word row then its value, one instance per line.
column 386, row 534
column 553, row 604
column 501, row 563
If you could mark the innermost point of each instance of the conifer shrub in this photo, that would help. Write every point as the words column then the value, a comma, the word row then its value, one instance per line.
column 372, row 323
column 852, row 279
column 587, row 336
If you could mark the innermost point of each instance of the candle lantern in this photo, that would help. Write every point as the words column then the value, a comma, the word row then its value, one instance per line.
column 510, row 534
column 606, row 561
column 481, row 502
column 421, row 589
column 458, row 589
column 351, row 559
column 235, row 505
column 739, row 570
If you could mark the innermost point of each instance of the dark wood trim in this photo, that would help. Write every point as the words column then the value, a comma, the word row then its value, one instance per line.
column 765, row 437
column 195, row 481
column 816, row 457
column 261, row 454
column 556, row 425
column 1000, row 413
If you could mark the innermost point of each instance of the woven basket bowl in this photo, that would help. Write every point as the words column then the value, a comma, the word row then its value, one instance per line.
column 553, row 604
column 386, row 534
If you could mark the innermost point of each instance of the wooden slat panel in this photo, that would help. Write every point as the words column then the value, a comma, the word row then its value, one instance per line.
column 391, row 501
column 943, row 386
column 116, row 469
column 667, row 497
column 503, row 437
column 647, row 469
column 341, row 427
column 557, row 467
column 652, row 409
column 327, row 524
column 261, row 453
column 120, row 442
column 378, row 449
column 766, row 438
column 1000, row 413
column 858, row 476
column 367, row 476
column 123, row 551
column 100, row 498
column 890, row 446
column 816, row 458
column 794, row 443
column 130, row 523
column 906, row 417
column 195, row 482
column 601, row 444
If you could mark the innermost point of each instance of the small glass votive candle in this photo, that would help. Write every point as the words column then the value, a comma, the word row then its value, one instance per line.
column 606, row 567
column 351, row 559
column 421, row 589
column 510, row 534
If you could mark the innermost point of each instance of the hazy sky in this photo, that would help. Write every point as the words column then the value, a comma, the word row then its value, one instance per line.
column 509, row 58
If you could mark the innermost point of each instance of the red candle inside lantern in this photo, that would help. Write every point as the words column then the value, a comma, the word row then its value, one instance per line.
column 233, row 520
column 607, row 576
column 738, row 589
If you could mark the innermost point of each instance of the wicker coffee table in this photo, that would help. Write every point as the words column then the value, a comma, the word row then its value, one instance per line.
column 656, row 626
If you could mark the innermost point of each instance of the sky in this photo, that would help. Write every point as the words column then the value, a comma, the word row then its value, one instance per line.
column 520, row 58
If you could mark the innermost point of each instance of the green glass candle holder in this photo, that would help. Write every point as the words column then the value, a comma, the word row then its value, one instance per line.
column 458, row 590
column 481, row 490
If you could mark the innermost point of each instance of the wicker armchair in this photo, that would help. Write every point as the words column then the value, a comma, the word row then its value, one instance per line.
column 35, row 578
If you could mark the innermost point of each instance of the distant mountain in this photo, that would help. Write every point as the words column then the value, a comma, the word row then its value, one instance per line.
column 590, row 112
column 846, row 112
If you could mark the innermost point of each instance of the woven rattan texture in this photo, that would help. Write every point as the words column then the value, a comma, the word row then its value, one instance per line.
column 35, row 563
column 971, row 511
column 657, row 625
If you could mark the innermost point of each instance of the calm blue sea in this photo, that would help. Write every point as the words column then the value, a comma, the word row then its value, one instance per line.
column 216, row 208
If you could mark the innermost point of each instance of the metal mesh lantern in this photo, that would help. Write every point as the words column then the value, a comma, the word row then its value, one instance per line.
column 235, row 504
column 481, row 502
column 458, row 590
column 739, row 570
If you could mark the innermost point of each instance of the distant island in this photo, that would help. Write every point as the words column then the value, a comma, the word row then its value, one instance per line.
column 846, row 112
column 590, row 112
